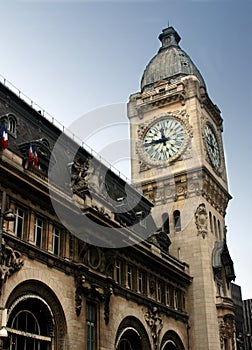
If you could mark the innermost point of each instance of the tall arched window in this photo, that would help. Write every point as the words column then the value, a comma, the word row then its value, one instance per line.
column 219, row 229
column 165, row 223
column 211, row 221
column 215, row 227
column 177, row 221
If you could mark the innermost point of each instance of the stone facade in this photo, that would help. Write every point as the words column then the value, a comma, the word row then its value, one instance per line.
column 81, row 268
column 189, row 183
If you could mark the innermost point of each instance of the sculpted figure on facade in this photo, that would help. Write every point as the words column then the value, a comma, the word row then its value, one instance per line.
column 11, row 262
column 155, row 323
column 201, row 220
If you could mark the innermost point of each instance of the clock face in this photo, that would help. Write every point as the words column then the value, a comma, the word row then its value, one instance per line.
column 212, row 146
column 164, row 139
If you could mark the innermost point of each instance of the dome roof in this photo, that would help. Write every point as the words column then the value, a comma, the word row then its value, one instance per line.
column 171, row 62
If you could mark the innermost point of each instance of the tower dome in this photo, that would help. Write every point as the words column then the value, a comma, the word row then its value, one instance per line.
column 170, row 63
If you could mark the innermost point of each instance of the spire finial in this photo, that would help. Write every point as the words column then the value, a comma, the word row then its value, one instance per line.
column 169, row 37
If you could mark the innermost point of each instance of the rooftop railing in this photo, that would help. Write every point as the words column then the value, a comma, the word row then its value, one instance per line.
column 61, row 127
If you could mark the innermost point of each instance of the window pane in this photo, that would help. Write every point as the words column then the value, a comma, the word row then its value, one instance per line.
column 38, row 228
column 19, row 222
column 90, row 326
column 56, row 241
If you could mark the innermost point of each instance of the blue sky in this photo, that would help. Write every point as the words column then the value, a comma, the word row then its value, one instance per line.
column 74, row 56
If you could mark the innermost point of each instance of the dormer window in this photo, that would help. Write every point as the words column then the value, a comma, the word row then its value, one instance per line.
column 10, row 122
column 12, row 125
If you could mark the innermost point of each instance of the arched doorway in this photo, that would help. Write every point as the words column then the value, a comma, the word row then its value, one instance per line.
column 131, row 335
column 35, row 319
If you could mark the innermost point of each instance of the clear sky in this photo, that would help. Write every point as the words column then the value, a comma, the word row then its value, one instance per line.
column 74, row 56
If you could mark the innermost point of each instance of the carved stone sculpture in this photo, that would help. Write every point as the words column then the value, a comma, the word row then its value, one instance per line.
column 201, row 220
column 155, row 323
column 11, row 262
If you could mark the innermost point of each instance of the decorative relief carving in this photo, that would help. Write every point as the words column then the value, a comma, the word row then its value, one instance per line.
column 100, row 294
column 201, row 220
column 214, row 194
column 96, row 258
column 155, row 322
column 11, row 262
column 155, row 98
column 227, row 331
column 79, row 176
column 186, row 186
column 101, row 210
column 87, row 176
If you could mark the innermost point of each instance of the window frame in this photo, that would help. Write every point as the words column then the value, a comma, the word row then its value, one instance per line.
column 36, row 227
column 19, row 218
column 54, row 238
column 177, row 221
column 91, row 326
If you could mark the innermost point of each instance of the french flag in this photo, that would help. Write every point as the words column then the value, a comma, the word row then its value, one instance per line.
column 3, row 138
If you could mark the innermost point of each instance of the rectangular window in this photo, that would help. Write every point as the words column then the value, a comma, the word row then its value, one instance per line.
column 140, row 281
column 56, row 241
column 169, row 296
column 19, row 223
column 91, row 326
column 175, row 299
column 159, row 292
column 118, row 272
column 130, row 277
column 38, row 232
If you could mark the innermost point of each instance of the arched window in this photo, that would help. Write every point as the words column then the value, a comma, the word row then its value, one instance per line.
column 132, row 335
column 219, row 229
column 211, row 221
column 12, row 125
column 125, row 345
column 169, row 345
column 171, row 341
column 30, row 325
column 165, row 223
column 130, row 340
column 215, row 227
column 45, row 142
column 177, row 221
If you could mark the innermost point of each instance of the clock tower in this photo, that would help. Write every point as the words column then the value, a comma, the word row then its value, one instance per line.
column 178, row 162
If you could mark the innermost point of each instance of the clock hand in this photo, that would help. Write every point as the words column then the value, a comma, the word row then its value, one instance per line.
column 162, row 133
column 153, row 142
column 163, row 137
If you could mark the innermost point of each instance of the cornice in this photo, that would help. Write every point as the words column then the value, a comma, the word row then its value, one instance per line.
column 182, row 186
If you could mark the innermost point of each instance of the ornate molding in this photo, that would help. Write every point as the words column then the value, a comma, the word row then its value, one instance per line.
column 11, row 263
column 227, row 330
column 94, row 291
column 96, row 258
column 180, row 187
